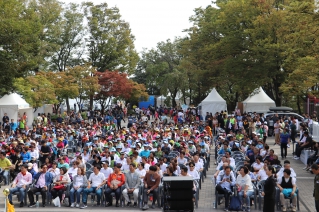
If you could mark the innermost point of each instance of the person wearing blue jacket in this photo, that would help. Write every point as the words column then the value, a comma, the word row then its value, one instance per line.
column 13, row 125
column 43, row 179
column 26, row 157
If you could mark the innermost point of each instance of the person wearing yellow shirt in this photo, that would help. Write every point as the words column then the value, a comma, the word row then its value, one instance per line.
column 5, row 166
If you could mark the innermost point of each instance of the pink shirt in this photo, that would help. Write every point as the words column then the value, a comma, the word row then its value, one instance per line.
column 41, row 181
column 21, row 179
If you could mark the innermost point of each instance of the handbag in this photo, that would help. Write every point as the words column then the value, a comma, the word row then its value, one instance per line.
column 287, row 192
column 235, row 204
column 59, row 187
column 56, row 202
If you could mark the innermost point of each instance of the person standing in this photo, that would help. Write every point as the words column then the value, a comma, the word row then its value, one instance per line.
column 315, row 170
column 284, row 140
column 269, row 192
column 277, row 131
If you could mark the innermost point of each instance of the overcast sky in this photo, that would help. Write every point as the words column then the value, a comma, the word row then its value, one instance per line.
column 153, row 21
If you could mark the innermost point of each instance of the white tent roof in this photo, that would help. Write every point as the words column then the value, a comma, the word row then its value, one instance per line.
column 213, row 103
column 15, row 100
column 214, row 96
column 259, row 96
column 258, row 101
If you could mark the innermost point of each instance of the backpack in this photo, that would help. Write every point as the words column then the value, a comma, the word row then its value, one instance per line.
column 235, row 204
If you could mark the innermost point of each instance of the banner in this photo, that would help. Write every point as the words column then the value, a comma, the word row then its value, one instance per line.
column 10, row 208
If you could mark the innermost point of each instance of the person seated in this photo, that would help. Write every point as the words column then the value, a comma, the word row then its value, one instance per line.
column 245, row 187
column 25, row 154
column 151, row 183
column 231, row 160
column 5, row 165
column 31, row 170
column 199, row 166
column 305, row 142
column 258, row 164
column 132, row 183
column 286, row 166
column 222, row 168
column 224, row 149
column 224, row 183
column 63, row 163
column 54, row 170
column 72, row 172
column 59, row 183
column 287, row 186
column 222, row 161
column 261, row 175
column 23, row 179
column 169, row 172
column 312, row 158
column 114, row 183
column 79, row 184
column 95, row 183
column 192, row 171
column 43, row 179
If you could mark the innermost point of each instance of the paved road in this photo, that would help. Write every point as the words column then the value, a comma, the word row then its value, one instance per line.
column 206, row 198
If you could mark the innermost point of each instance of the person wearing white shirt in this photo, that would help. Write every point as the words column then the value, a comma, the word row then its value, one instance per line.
column 73, row 170
column 231, row 160
column 106, row 170
column 54, row 170
column 122, row 159
column 181, row 160
column 261, row 175
column 85, row 155
column 258, row 164
column 198, row 165
column 34, row 153
column 192, row 171
column 95, row 185
column 126, row 167
column 245, row 186
column 162, row 165
column 286, row 166
column 141, row 171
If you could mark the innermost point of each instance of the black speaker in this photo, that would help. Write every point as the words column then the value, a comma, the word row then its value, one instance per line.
column 178, row 193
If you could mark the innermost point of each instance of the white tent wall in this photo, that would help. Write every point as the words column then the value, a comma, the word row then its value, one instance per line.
column 47, row 108
column 213, row 107
column 160, row 101
column 213, row 103
column 29, row 112
column 11, row 112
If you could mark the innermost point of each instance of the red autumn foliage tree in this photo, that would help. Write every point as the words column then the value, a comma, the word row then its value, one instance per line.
column 112, row 84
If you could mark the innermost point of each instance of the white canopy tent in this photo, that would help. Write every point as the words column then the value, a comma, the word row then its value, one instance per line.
column 258, row 102
column 14, row 105
column 213, row 103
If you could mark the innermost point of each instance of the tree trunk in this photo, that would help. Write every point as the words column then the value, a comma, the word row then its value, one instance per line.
column 67, row 104
column 298, row 105
column 91, row 102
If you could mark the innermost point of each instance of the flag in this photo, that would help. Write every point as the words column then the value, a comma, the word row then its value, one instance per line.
column 10, row 208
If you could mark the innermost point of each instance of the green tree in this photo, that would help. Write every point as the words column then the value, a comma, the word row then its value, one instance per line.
column 69, row 39
column 161, row 69
column 37, row 90
column 19, row 41
column 110, row 43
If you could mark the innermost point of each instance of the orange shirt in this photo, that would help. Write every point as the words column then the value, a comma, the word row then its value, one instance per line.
column 120, row 177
